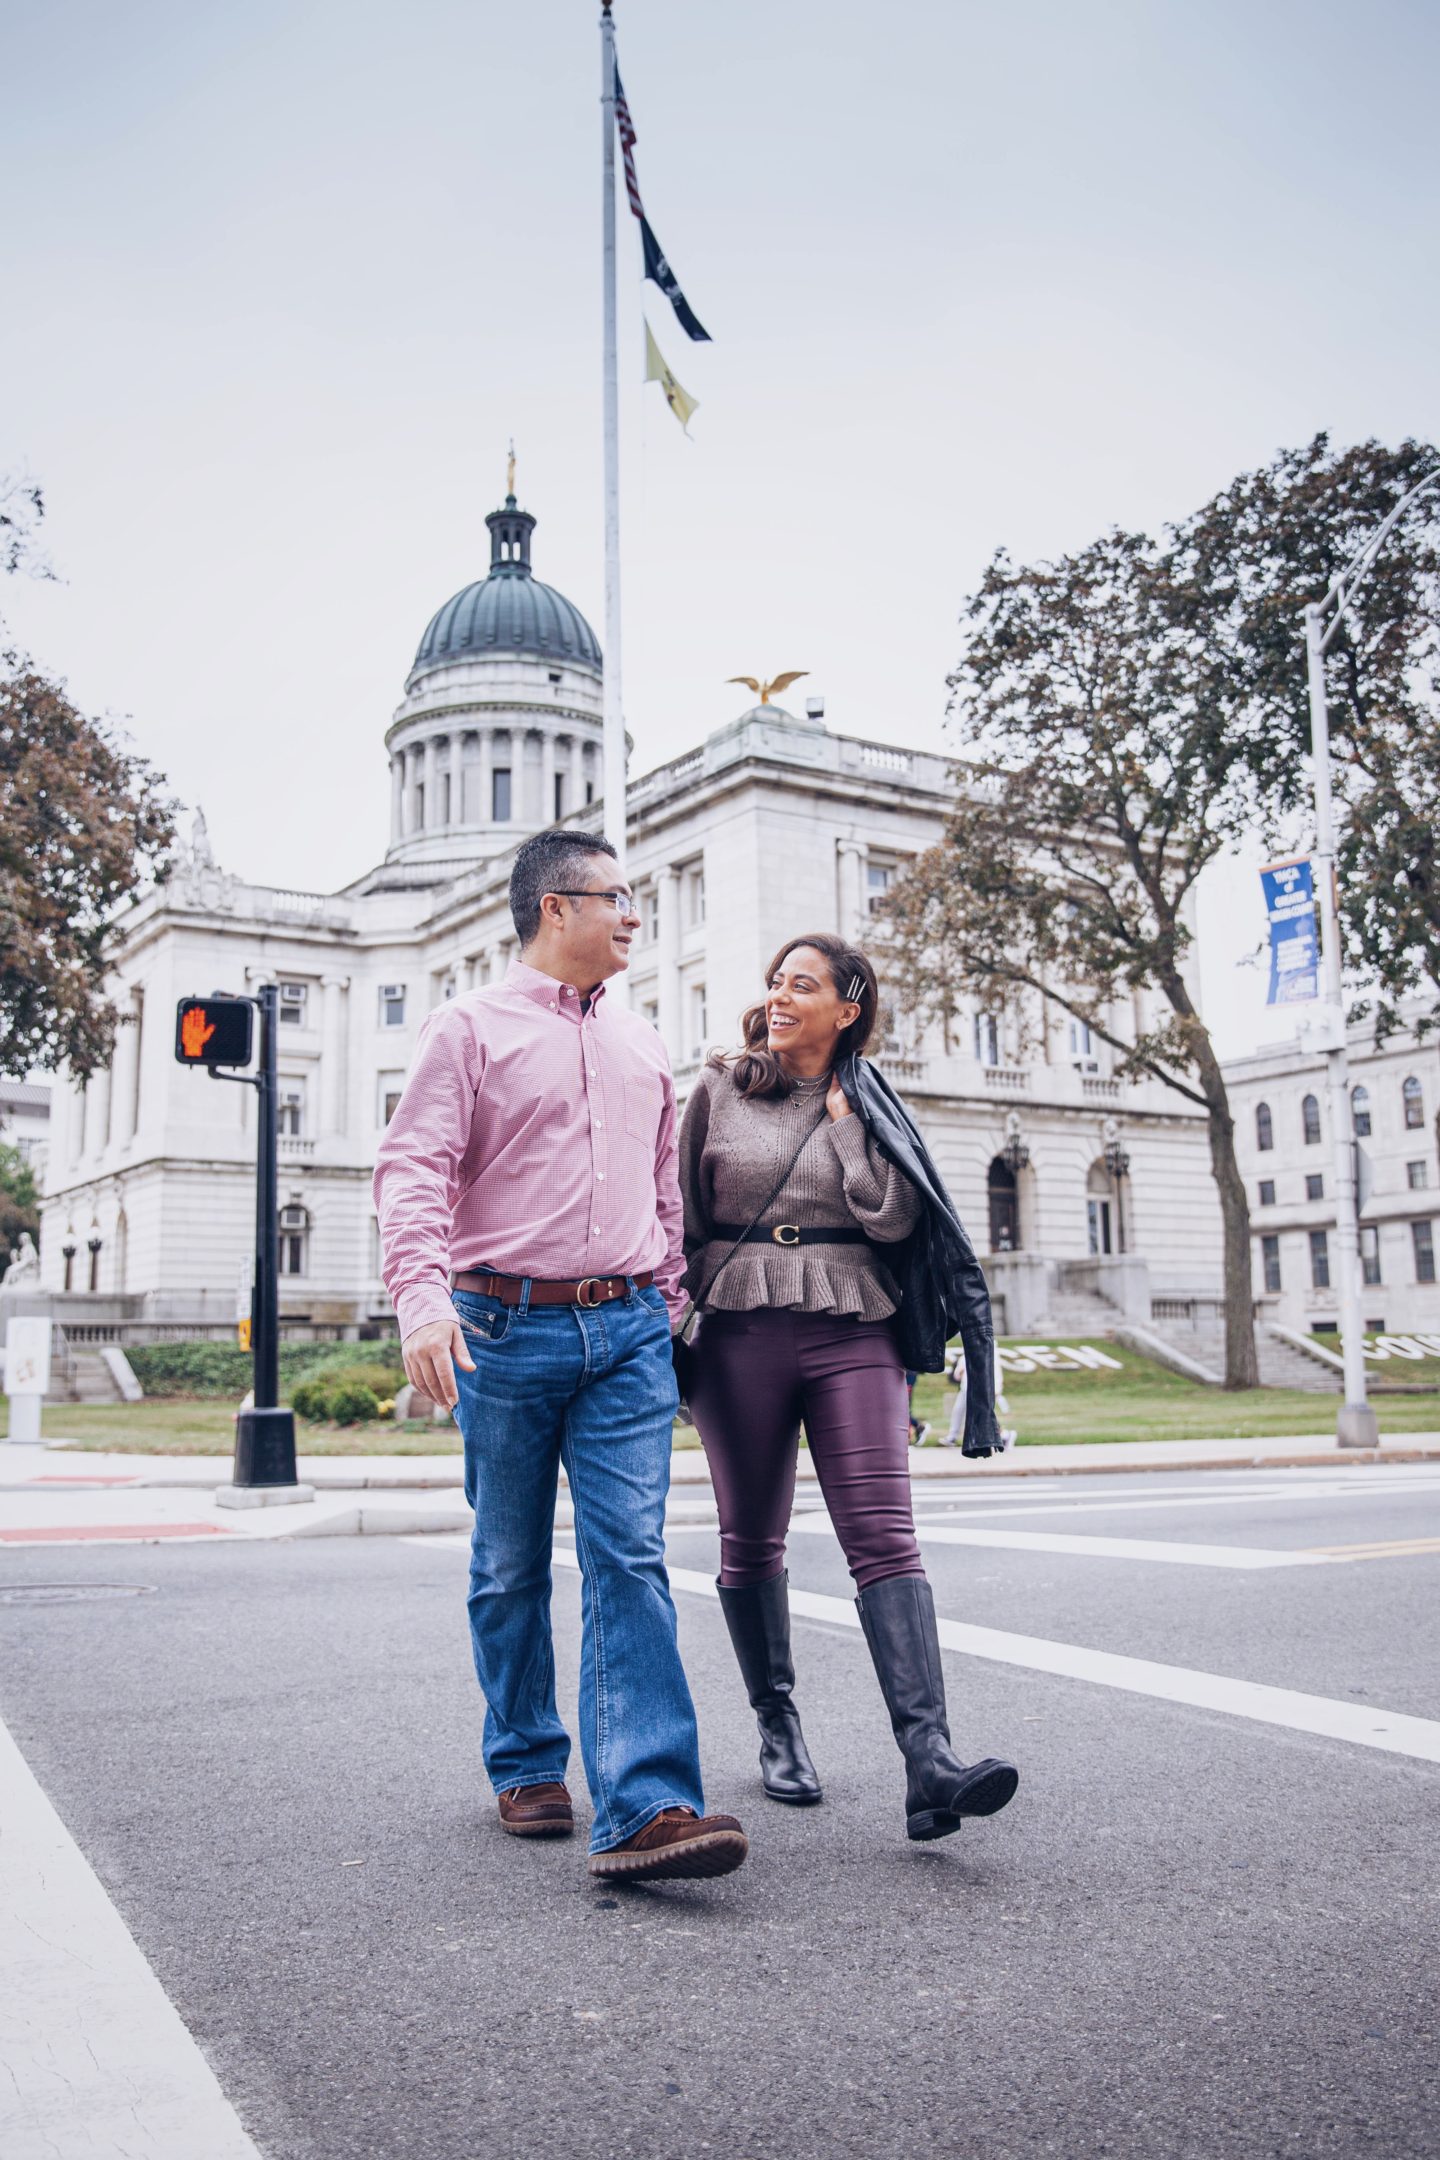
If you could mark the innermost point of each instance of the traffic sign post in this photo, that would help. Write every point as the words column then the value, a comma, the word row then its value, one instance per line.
column 218, row 1032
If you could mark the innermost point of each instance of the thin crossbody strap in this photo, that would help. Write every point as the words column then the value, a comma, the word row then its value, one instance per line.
column 775, row 1190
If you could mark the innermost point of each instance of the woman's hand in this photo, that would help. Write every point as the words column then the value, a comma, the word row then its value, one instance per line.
column 837, row 1102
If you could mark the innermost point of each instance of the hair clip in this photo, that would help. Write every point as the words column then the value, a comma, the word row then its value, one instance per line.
column 857, row 984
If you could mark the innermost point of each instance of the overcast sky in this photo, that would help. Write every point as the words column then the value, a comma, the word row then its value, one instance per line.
column 281, row 279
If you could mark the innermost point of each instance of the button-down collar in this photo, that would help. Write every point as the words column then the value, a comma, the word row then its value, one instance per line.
column 556, row 997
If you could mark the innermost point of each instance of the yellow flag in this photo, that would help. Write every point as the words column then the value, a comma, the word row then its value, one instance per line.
column 657, row 369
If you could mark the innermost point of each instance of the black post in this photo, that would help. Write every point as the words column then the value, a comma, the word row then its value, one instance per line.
column 265, row 1436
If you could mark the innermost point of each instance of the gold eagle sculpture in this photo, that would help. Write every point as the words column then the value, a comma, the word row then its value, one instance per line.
column 776, row 682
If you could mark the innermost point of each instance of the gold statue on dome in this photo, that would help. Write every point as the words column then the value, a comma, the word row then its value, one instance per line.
column 510, row 471
column 776, row 682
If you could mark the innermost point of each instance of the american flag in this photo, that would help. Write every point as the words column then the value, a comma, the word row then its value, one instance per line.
column 626, row 127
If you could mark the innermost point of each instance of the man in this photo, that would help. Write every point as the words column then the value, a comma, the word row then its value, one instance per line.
column 530, row 1221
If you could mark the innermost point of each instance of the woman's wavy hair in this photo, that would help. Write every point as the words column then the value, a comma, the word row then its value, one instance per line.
column 756, row 1070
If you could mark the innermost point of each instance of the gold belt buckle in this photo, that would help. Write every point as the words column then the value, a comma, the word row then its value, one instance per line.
column 786, row 1233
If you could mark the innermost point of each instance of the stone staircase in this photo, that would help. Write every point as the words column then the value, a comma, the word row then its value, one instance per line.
column 80, row 1375
column 1281, row 1364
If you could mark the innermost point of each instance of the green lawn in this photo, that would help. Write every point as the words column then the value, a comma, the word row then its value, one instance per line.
column 1140, row 1401
column 1145, row 1401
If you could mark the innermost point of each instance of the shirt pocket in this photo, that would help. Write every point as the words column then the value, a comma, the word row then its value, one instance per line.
column 642, row 1109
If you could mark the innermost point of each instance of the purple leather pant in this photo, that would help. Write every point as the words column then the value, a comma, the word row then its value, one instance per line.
column 759, row 1373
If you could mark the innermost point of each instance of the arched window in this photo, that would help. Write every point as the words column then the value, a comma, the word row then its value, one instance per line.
column 1414, row 1103
column 1004, row 1207
column 1264, row 1128
column 1102, row 1212
column 1360, row 1108
column 1310, row 1115
column 294, row 1239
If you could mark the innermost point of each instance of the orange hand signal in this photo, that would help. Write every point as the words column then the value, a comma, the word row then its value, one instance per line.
column 195, row 1031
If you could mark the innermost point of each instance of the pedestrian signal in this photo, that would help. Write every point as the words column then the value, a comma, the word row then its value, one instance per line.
column 214, row 1031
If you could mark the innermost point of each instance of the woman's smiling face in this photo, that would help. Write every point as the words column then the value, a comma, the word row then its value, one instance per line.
column 805, row 1014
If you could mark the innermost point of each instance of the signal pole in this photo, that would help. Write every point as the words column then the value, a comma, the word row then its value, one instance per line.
column 265, row 1435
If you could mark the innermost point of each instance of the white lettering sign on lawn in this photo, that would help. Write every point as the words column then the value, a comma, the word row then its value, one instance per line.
column 1380, row 1347
column 1045, row 1357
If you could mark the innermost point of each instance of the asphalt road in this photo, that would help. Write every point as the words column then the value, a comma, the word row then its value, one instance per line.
column 1193, row 1933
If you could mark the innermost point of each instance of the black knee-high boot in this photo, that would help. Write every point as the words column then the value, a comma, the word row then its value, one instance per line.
column 758, row 1617
column 898, row 1616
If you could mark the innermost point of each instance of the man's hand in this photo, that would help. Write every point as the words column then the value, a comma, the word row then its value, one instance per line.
column 431, row 1355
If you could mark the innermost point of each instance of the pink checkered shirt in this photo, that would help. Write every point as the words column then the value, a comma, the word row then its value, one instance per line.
column 533, row 1139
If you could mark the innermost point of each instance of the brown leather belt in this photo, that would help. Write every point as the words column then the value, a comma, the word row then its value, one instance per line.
column 588, row 1292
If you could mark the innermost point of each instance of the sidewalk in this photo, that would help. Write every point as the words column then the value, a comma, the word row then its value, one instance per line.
column 50, row 1496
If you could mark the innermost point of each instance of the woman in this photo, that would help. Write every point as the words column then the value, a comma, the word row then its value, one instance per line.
column 795, row 1220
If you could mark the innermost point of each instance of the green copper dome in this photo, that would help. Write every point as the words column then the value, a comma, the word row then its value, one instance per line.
column 508, row 612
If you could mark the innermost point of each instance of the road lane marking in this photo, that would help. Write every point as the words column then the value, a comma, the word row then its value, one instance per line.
column 972, row 1511
column 1092, row 1548
column 96, row 2055
column 1397, row 1548
column 1359, row 1725
column 115, row 1533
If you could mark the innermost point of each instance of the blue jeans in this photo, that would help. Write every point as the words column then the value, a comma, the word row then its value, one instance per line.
column 593, row 1390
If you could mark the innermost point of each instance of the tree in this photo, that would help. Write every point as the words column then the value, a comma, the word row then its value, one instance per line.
column 1267, row 544
column 19, row 1203
column 82, row 824
column 1105, row 760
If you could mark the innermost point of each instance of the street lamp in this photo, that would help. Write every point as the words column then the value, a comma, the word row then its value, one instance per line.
column 1015, row 1154
column 1356, row 1426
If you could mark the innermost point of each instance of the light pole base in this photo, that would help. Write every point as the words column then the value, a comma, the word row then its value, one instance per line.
column 265, row 1447
column 250, row 1496
column 1356, row 1426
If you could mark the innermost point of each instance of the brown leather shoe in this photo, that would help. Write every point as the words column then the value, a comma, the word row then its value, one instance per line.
column 678, row 1842
column 537, row 1811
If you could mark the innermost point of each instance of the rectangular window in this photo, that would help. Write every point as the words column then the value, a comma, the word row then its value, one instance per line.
column 879, row 877
column 1314, row 1186
column 695, row 896
column 389, row 1086
column 1267, row 1192
column 1417, row 1175
column 650, row 915
column 1370, row 1253
column 392, row 1005
column 987, row 1038
column 1319, row 1260
column 698, row 1019
column 1423, row 1234
column 292, row 1004
column 290, row 1119
column 500, row 795
column 651, row 1011
column 1414, row 1101
column 1270, row 1260
column 1082, row 1048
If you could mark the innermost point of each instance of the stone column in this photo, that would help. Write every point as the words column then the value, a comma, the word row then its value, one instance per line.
column 431, row 771
column 667, row 889
column 332, row 1055
column 97, row 1121
column 464, row 976
column 412, row 787
column 397, row 796
column 547, row 778
column 851, row 888
column 457, row 777
column 577, row 774
column 124, row 1065
column 487, row 771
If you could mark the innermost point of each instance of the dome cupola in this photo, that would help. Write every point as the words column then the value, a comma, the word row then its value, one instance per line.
column 509, row 611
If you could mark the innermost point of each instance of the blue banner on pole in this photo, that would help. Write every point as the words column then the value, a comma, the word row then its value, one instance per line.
column 1289, row 889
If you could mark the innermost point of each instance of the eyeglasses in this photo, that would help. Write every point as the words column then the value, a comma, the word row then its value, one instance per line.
column 622, row 902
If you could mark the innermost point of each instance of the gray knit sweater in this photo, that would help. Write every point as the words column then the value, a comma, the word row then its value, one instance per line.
column 732, row 1149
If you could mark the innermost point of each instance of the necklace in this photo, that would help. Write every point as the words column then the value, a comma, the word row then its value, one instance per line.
column 807, row 1087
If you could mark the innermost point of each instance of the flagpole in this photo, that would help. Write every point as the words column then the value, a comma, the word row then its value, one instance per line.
column 613, row 769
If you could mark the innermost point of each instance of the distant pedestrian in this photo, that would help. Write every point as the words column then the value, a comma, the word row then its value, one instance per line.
column 531, row 1229
column 919, row 1430
column 957, row 1375
column 810, row 1203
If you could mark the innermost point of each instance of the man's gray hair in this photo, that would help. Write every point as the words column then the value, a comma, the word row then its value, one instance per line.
column 550, row 862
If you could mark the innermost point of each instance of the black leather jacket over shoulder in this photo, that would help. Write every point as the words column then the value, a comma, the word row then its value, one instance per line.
column 942, row 1285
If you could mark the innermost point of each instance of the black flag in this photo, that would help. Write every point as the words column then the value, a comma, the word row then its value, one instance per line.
column 658, row 268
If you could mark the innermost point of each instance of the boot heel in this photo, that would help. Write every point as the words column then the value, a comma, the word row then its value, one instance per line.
column 930, row 1823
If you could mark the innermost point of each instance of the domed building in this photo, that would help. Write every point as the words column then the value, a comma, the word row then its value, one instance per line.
column 771, row 824
column 499, row 731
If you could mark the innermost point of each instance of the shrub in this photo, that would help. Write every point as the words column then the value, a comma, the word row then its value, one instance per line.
column 350, row 1404
column 223, row 1370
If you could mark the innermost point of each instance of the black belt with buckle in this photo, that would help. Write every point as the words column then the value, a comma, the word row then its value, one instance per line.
column 787, row 1233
